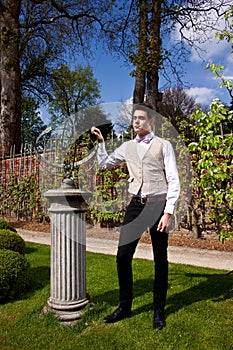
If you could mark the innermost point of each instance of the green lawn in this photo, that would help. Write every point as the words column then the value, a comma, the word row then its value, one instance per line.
column 199, row 310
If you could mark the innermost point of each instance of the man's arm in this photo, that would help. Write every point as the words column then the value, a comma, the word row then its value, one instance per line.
column 172, row 177
column 173, row 181
column 105, row 160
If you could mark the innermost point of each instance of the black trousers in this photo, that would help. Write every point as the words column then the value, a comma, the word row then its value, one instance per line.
column 139, row 217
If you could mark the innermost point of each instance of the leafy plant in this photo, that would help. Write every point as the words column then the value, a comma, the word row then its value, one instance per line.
column 12, row 241
column 23, row 197
column 14, row 274
column 4, row 225
column 108, row 204
column 212, row 161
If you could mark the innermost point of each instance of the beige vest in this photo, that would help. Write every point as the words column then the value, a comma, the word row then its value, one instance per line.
column 147, row 173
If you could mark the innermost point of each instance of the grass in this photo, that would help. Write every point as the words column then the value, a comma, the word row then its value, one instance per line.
column 199, row 310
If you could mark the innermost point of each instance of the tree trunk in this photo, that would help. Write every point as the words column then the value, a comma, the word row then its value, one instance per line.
column 10, row 78
column 141, row 56
column 154, row 57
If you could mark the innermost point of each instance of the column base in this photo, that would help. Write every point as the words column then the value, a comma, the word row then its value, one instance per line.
column 67, row 305
column 66, row 312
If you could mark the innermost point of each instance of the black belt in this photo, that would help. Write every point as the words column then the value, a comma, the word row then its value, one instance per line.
column 153, row 199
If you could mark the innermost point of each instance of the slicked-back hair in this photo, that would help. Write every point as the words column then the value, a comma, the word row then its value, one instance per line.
column 146, row 107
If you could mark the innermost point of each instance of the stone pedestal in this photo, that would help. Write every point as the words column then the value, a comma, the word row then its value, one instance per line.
column 68, row 253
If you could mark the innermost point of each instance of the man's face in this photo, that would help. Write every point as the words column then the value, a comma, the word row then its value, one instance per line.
column 141, row 123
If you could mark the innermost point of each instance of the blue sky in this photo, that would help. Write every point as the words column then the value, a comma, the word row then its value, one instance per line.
column 117, row 84
column 114, row 76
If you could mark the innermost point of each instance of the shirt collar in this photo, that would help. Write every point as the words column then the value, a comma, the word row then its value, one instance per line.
column 150, row 136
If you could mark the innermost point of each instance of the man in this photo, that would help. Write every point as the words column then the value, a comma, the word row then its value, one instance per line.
column 154, row 188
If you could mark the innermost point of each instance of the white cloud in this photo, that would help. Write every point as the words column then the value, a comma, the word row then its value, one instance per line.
column 229, row 67
column 209, row 50
column 202, row 95
column 202, row 31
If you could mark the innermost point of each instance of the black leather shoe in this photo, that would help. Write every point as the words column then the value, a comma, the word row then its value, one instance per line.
column 119, row 314
column 159, row 320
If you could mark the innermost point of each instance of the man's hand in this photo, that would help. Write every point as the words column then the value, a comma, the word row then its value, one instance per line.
column 164, row 222
column 95, row 131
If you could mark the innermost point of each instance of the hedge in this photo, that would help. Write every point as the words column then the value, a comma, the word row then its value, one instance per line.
column 14, row 275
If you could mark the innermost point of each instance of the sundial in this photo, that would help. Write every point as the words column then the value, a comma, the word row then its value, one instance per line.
column 64, row 149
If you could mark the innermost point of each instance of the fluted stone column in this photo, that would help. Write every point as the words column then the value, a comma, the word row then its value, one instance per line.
column 68, row 253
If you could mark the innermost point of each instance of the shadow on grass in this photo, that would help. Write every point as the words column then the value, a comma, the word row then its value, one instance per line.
column 111, row 297
column 215, row 287
column 39, row 278
column 30, row 250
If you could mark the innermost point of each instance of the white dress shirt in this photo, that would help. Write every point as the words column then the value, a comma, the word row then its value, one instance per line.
column 171, row 172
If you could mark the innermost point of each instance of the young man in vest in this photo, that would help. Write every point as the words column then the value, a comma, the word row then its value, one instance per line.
column 154, row 188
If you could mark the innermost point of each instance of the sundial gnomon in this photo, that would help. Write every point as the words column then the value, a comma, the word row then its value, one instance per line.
column 66, row 149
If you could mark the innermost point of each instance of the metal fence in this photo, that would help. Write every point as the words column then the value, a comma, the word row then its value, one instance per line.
column 17, row 173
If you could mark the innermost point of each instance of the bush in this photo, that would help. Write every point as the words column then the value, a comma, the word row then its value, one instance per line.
column 12, row 241
column 14, row 275
column 4, row 225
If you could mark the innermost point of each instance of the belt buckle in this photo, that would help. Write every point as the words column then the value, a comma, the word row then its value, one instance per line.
column 143, row 200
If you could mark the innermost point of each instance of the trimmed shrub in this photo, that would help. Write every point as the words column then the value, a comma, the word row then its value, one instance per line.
column 12, row 241
column 14, row 275
column 4, row 225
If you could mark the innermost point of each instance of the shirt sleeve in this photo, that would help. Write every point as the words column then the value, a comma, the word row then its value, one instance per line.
column 107, row 161
column 172, row 177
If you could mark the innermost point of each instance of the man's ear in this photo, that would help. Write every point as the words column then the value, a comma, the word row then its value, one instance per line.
column 152, row 121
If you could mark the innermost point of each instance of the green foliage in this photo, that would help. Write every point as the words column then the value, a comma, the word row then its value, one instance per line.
column 4, row 225
column 32, row 124
column 23, row 197
column 213, row 166
column 226, row 33
column 110, row 193
column 72, row 91
column 12, row 241
column 51, row 33
column 218, row 71
column 110, row 197
column 14, row 274
column 177, row 106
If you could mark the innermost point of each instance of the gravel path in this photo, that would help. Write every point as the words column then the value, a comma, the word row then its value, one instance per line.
column 180, row 255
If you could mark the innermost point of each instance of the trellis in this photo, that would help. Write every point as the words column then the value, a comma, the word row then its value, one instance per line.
column 13, row 170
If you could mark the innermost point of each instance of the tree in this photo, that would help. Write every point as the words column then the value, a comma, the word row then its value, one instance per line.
column 32, row 124
column 154, row 54
column 140, row 59
column 147, row 59
column 218, row 70
column 151, row 50
column 212, row 157
column 35, row 36
column 177, row 106
column 72, row 91
column 95, row 115
column 10, row 78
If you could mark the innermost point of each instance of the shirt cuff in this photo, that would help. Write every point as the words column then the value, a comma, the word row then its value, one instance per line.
column 169, row 208
column 101, row 146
